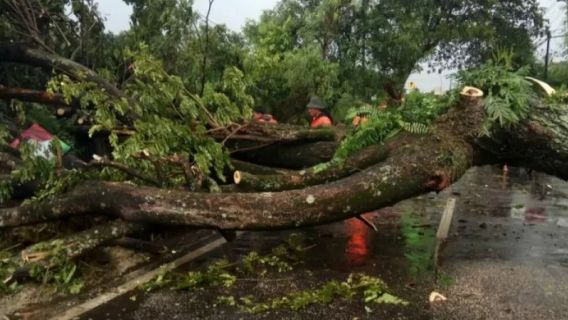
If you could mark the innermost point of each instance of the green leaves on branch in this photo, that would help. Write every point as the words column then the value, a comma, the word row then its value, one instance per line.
column 43, row 172
column 415, row 116
column 57, row 270
column 165, row 119
column 215, row 275
column 507, row 93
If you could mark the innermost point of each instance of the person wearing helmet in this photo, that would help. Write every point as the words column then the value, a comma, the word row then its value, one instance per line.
column 319, row 114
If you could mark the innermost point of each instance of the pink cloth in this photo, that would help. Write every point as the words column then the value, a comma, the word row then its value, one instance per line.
column 35, row 132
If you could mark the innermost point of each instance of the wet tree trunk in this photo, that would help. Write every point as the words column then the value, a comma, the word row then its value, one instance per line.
column 414, row 164
column 417, row 164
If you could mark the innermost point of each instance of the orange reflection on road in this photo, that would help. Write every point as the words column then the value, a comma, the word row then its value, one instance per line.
column 357, row 248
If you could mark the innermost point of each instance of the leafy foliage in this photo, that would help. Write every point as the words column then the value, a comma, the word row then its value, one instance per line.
column 216, row 274
column 219, row 272
column 508, row 93
column 7, row 268
column 168, row 119
column 222, row 273
column 57, row 271
column 44, row 172
column 4, row 135
column 415, row 116
column 374, row 291
column 376, row 43
column 253, row 261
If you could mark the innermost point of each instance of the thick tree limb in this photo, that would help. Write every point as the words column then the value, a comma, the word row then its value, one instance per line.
column 102, row 163
column 257, row 169
column 278, row 133
column 32, row 96
column 297, row 156
column 416, row 164
column 74, row 246
column 10, row 52
column 314, row 175
column 80, row 243
column 407, row 173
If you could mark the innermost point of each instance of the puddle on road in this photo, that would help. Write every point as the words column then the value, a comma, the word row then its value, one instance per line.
column 521, row 217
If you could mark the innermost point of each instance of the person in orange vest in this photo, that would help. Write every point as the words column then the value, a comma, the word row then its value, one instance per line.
column 319, row 114
column 259, row 116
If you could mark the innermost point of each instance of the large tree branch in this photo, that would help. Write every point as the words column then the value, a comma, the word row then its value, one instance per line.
column 32, row 96
column 539, row 142
column 290, row 155
column 10, row 52
column 419, row 164
column 74, row 246
column 313, row 176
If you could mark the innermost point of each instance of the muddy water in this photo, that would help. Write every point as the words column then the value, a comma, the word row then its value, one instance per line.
column 506, row 258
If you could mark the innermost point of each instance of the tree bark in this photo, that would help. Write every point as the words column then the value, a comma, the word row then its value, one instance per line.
column 418, row 164
column 74, row 246
column 78, row 244
column 10, row 52
column 299, row 155
column 32, row 96
column 313, row 176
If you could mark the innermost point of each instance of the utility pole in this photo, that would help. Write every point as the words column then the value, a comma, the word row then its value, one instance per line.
column 548, row 37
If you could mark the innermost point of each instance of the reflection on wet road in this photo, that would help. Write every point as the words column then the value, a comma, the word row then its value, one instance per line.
column 358, row 243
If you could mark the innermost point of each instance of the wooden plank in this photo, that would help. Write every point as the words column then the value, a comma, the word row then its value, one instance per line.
column 446, row 221
column 444, row 229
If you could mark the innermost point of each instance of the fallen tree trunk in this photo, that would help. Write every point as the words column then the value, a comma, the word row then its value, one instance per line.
column 257, row 169
column 540, row 142
column 418, row 164
column 277, row 133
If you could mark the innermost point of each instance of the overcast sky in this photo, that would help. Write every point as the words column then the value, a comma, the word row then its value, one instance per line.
column 234, row 13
